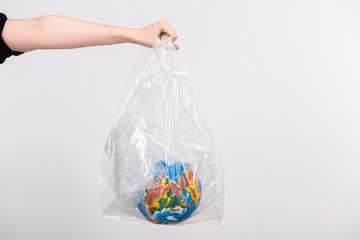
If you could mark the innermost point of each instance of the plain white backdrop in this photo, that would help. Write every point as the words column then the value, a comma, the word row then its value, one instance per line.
column 277, row 83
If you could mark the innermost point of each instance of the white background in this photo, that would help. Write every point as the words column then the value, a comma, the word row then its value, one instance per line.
column 276, row 82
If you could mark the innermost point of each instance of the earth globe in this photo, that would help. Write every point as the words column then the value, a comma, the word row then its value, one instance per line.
column 172, row 195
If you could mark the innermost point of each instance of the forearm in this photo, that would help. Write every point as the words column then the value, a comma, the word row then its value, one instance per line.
column 59, row 32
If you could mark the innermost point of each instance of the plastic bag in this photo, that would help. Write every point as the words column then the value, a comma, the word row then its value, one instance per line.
column 160, row 162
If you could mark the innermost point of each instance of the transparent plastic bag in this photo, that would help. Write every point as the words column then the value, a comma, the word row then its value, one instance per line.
column 160, row 162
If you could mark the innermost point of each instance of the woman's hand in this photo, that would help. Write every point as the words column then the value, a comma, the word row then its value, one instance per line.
column 147, row 36
column 60, row 32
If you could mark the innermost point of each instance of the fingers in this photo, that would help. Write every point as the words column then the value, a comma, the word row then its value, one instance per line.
column 166, row 28
column 147, row 36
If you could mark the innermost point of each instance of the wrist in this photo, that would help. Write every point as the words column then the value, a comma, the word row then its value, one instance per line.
column 131, row 35
column 124, row 35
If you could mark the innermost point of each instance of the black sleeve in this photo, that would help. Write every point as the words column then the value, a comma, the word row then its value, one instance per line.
column 5, row 51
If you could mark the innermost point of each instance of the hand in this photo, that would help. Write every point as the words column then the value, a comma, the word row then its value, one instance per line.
column 146, row 36
column 60, row 32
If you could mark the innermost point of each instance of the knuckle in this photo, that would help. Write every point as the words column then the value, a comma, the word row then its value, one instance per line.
column 164, row 21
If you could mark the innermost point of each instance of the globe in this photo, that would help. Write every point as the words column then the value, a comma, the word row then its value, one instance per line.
column 172, row 195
